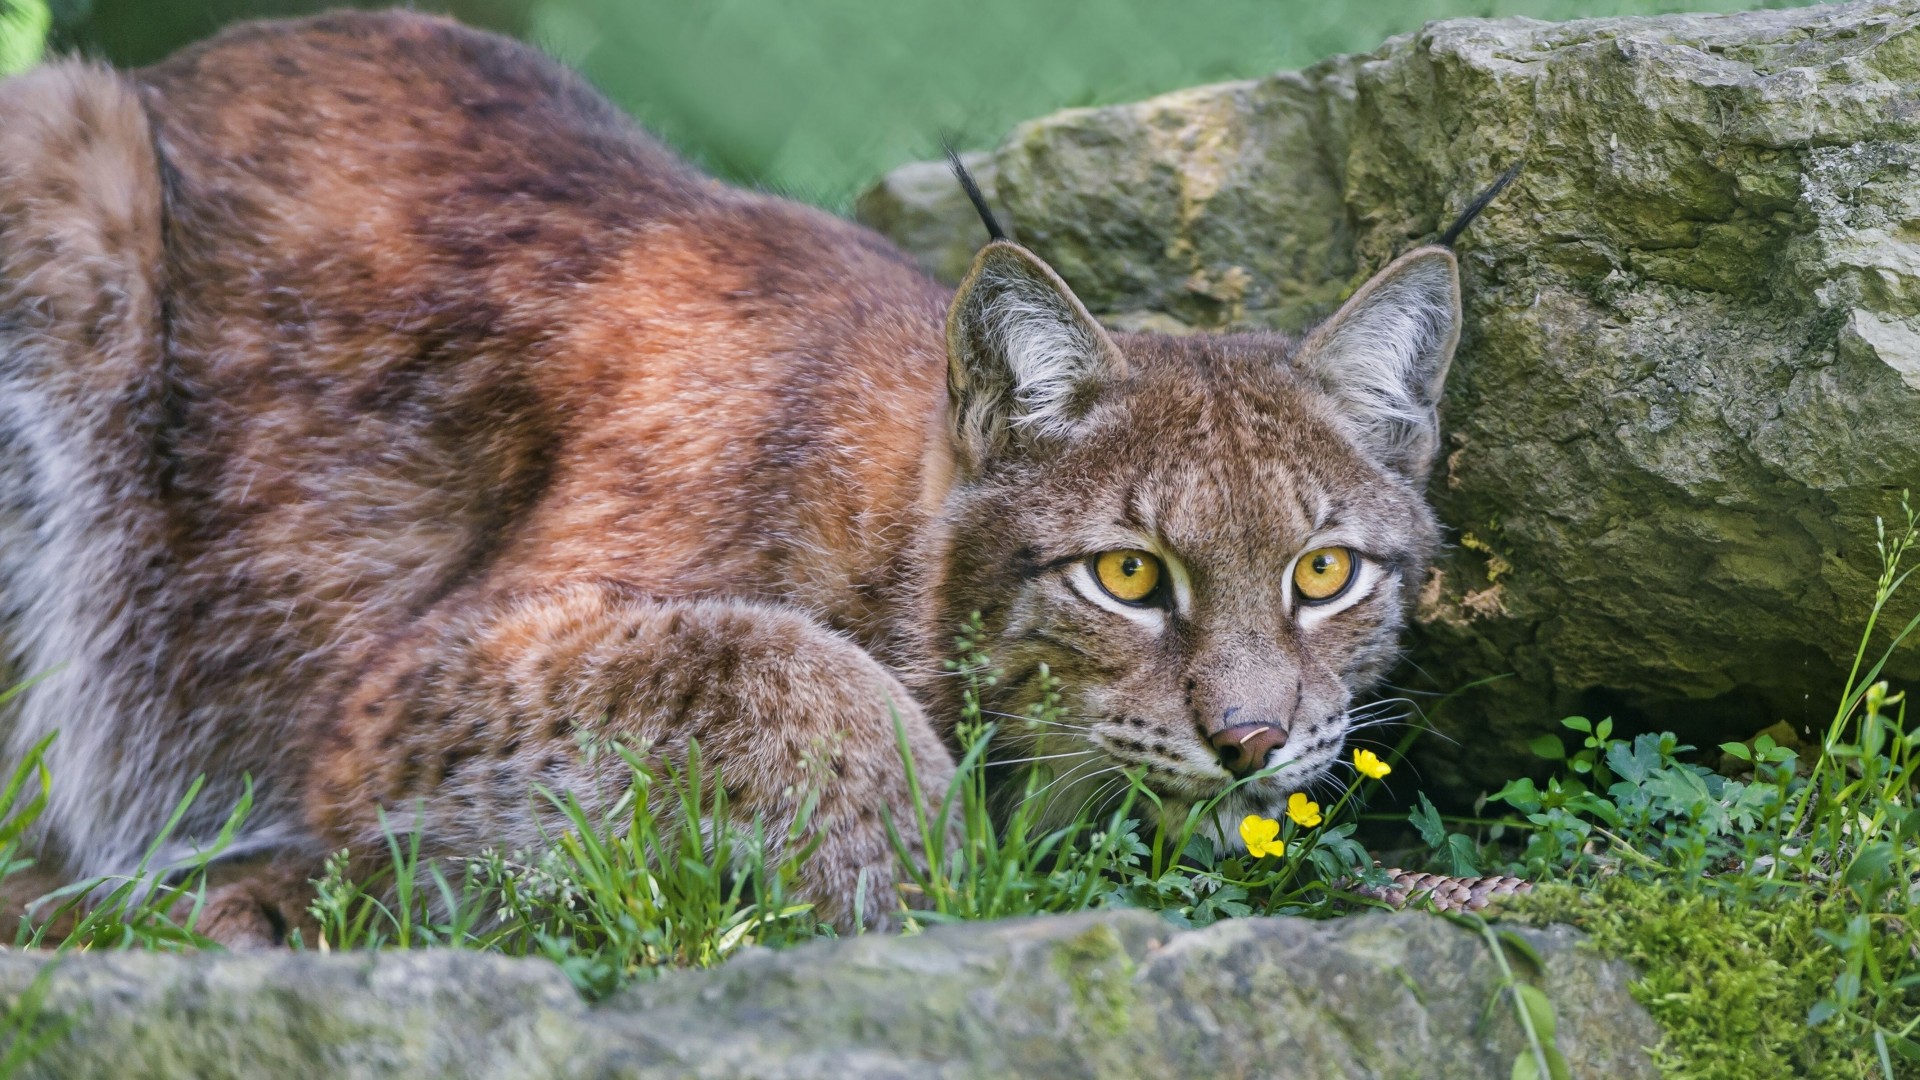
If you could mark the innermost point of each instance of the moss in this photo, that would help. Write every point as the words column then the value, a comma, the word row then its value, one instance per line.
column 1099, row 972
column 1728, row 982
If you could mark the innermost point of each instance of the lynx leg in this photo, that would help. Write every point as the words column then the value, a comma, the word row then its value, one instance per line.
column 453, row 729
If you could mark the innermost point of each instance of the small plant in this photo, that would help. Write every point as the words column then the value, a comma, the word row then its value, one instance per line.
column 152, row 907
column 1810, row 877
column 659, row 879
column 1542, row 1059
column 32, row 782
column 26, row 1028
column 640, row 889
column 1014, row 866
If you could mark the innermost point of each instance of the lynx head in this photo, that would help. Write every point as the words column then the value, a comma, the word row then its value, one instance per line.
column 1210, row 541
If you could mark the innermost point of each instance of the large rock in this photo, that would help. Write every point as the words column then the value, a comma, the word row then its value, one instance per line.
column 1690, row 377
column 1110, row 995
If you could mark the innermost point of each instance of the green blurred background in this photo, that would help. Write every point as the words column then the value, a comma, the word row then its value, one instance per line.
column 817, row 97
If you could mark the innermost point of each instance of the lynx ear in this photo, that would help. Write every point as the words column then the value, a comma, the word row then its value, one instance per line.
column 1024, row 358
column 1383, row 357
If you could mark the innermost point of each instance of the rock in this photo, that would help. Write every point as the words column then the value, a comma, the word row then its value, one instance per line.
column 1116, row 994
column 1690, row 377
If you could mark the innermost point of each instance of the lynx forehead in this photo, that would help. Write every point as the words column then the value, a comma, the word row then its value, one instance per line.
column 382, row 414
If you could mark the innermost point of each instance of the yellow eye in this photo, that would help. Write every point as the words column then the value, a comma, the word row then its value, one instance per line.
column 1130, row 577
column 1323, row 574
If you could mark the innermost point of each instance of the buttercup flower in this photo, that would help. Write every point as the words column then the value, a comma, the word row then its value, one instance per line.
column 1370, row 765
column 1260, row 833
column 1304, row 811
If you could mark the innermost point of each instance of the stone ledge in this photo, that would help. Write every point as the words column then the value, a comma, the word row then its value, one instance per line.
column 1114, row 994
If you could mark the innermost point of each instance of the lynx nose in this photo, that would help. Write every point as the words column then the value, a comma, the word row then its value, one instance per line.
column 1244, row 748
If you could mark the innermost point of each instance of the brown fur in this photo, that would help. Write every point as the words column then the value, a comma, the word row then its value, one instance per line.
column 435, row 419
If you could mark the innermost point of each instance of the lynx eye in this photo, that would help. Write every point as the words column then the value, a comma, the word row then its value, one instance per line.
column 1131, row 577
column 1323, row 574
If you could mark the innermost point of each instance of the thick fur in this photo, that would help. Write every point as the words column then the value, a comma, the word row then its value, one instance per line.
column 382, row 416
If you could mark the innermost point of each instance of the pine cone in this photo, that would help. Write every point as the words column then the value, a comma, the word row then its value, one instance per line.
column 1447, row 893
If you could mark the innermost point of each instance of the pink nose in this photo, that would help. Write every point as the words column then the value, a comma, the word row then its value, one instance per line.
column 1243, row 749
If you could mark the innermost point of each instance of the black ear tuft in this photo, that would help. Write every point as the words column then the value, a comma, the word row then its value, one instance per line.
column 979, row 201
column 1478, row 204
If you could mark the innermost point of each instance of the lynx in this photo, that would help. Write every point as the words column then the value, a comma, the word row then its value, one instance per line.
column 382, row 414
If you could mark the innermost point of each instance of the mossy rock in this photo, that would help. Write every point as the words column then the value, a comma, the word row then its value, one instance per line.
column 1118, row 994
column 1690, row 378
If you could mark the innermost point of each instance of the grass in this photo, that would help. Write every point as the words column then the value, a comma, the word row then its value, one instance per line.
column 609, row 899
column 1771, row 912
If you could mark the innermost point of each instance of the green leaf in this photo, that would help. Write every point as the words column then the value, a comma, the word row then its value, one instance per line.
column 1872, row 866
column 1461, row 854
column 1633, row 763
column 1427, row 820
column 1578, row 723
column 1547, row 746
column 1525, row 1067
column 1519, row 794
column 1738, row 750
column 1906, row 1048
column 1524, row 947
column 1539, row 1009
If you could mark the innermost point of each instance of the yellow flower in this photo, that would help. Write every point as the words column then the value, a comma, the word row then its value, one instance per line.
column 1304, row 811
column 1370, row 765
column 1260, row 833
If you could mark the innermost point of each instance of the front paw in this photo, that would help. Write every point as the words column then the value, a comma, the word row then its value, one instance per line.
column 256, row 908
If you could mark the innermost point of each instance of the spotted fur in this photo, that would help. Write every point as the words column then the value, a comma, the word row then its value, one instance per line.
column 382, row 416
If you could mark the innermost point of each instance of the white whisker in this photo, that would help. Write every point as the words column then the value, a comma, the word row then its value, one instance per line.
column 1046, row 809
column 1042, row 757
column 1036, row 720
column 1116, row 785
column 1057, row 781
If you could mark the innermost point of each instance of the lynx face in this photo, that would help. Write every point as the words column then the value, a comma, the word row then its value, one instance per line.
column 1210, row 541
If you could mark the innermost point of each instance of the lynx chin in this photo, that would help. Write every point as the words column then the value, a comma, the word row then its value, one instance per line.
column 382, row 414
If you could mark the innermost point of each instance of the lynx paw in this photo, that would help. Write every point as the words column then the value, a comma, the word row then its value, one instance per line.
column 261, row 910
